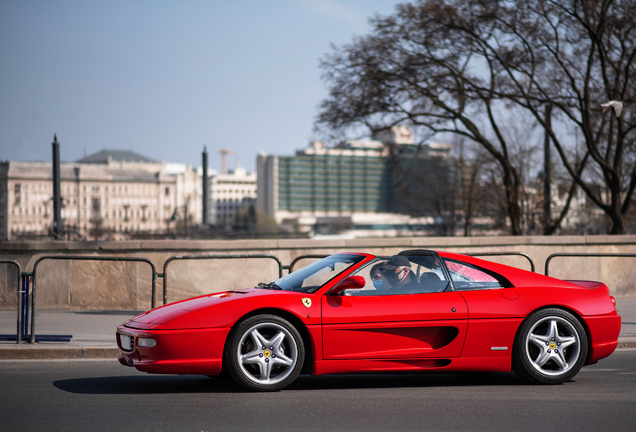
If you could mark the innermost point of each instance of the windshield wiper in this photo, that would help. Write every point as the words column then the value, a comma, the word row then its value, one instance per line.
column 271, row 285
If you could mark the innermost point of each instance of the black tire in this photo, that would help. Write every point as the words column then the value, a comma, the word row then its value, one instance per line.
column 264, row 353
column 550, row 347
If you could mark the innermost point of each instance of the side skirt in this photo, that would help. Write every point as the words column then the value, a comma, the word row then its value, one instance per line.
column 474, row 364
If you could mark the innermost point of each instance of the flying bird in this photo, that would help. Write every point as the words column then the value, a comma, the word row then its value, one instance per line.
column 617, row 105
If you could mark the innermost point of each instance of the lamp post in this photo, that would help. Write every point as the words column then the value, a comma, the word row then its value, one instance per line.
column 175, row 217
column 547, row 172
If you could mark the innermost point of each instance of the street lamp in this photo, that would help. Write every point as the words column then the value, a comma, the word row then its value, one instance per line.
column 175, row 217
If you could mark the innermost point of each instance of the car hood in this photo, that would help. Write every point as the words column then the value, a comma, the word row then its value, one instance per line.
column 212, row 310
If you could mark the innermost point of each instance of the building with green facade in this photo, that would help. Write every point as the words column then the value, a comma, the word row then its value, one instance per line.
column 347, row 187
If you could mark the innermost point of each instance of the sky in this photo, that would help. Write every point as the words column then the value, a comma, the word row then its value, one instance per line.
column 166, row 78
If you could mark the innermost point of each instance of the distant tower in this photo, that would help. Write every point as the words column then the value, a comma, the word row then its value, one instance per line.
column 206, row 186
column 57, row 191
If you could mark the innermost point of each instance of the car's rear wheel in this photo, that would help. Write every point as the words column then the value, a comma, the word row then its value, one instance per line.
column 551, row 347
column 265, row 353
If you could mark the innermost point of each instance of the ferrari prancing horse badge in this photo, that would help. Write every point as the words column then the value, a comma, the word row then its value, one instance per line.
column 307, row 302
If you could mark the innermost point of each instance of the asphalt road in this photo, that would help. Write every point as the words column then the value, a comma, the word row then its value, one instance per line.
column 96, row 395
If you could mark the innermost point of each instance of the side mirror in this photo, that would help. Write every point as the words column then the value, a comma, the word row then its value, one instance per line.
column 351, row 282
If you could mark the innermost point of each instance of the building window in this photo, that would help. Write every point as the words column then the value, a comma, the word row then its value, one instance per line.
column 167, row 191
column 17, row 188
column 95, row 188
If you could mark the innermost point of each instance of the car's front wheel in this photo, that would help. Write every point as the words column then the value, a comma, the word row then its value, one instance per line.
column 265, row 353
column 551, row 347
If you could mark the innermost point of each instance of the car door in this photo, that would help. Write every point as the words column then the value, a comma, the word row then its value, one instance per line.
column 401, row 326
column 495, row 311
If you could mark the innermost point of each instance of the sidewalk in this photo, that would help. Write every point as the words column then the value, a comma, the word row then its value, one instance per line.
column 94, row 332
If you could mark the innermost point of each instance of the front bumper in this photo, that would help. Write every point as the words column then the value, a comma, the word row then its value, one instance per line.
column 188, row 352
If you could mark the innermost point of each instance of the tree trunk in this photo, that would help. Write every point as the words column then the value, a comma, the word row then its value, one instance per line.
column 617, row 217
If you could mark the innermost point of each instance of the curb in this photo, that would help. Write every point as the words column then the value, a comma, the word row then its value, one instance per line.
column 46, row 353
column 626, row 345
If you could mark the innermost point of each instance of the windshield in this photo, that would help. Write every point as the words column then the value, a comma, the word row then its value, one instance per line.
column 309, row 279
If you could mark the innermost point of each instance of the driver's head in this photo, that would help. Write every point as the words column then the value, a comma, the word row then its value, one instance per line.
column 396, row 269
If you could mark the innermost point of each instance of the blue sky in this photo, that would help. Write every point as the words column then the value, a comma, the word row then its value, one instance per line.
column 166, row 78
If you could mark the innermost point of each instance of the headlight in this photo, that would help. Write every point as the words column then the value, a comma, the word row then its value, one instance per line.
column 126, row 342
column 146, row 342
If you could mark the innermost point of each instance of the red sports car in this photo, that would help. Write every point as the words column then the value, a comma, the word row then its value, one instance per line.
column 353, row 312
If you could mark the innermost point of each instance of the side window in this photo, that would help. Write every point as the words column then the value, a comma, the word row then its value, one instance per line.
column 429, row 275
column 369, row 273
column 470, row 277
column 423, row 275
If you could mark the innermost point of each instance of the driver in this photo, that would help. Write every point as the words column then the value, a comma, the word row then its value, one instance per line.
column 397, row 272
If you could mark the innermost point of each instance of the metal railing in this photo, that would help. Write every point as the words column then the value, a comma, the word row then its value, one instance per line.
column 19, row 292
column 166, row 264
column 584, row 254
column 521, row 254
column 86, row 258
column 211, row 257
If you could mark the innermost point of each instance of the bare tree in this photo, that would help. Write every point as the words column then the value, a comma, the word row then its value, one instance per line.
column 423, row 185
column 417, row 70
column 469, row 189
column 574, row 56
column 457, row 65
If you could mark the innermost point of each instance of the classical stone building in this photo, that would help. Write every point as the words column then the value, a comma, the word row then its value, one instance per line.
column 229, row 194
column 108, row 195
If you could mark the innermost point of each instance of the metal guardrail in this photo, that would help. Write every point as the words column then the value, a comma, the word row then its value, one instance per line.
column 596, row 255
column 208, row 257
column 19, row 292
column 521, row 254
column 86, row 258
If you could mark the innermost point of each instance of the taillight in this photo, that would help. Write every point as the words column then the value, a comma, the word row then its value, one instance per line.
column 613, row 302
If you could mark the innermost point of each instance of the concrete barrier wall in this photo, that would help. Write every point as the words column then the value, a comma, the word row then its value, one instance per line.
column 125, row 285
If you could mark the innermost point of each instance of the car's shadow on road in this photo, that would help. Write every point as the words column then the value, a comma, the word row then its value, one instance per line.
column 170, row 384
column 368, row 381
